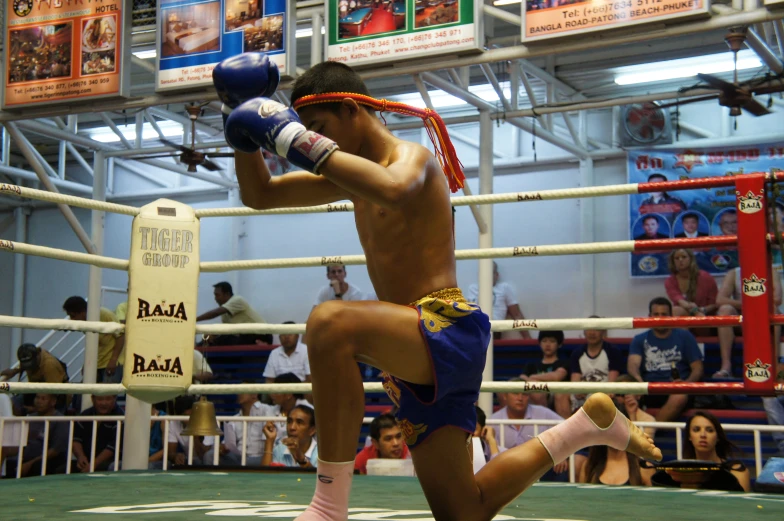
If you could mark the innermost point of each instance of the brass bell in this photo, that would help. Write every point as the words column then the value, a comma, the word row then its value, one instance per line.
column 202, row 421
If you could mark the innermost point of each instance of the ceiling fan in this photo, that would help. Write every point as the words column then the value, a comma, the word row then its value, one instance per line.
column 189, row 156
column 736, row 96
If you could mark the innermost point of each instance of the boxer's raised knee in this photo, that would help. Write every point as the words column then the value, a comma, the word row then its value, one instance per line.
column 328, row 329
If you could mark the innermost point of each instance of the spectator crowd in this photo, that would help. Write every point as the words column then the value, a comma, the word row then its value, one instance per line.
column 287, row 435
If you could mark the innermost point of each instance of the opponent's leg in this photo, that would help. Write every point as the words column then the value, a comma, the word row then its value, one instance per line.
column 340, row 334
column 454, row 494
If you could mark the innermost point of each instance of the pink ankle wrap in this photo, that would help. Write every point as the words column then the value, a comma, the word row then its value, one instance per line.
column 579, row 431
column 333, row 486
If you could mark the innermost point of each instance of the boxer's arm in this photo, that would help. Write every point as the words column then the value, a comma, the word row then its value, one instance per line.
column 390, row 186
column 260, row 191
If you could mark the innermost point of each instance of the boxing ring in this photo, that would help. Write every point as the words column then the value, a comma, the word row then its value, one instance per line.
column 283, row 494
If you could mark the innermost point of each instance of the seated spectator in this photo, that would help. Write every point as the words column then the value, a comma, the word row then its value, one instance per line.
column 179, row 444
column 608, row 466
column 550, row 368
column 505, row 303
column 486, row 435
column 202, row 372
column 299, row 448
column 693, row 291
column 57, row 448
column 110, row 346
column 12, row 432
column 105, row 437
column 231, row 448
column 289, row 357
column 655, row 355
column 386, row 442
column 774, row 409
column 232, row 309
column 284, row 403
column 338, row 288
column 41, row 366
column 729, row 302
column 518, row 408
column 155, row 460
column 596, row 361
column 706, row 441
column 629, row 405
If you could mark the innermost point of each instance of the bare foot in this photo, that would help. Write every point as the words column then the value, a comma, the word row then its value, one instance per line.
column 602, row 411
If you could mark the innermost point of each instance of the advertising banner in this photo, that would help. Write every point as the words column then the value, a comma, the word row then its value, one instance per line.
column 363, row 32
column 549, row 18
column 692, row 213
column 58, row 50
column 195, row 35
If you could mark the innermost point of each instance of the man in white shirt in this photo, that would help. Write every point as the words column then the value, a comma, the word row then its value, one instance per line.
column 338, row 288
column 290, row 357
column 233, row 309
column 504, row 302
column 231, row 448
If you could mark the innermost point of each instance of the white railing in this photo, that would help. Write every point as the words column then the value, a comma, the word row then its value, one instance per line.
column 678, row 427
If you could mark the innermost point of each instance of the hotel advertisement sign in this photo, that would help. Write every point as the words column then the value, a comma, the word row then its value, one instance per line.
column 552, row 18
column 57, row 51
column 363, row 32
column 195, row 35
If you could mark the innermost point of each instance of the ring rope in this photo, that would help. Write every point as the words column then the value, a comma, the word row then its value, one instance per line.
column 565, row 324
column 512, row 197
column 66, row 255
column 61, row 324
column 80, row 202
column 658, row 388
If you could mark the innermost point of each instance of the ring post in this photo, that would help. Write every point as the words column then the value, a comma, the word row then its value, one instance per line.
column 756, row 282
column 485, row 278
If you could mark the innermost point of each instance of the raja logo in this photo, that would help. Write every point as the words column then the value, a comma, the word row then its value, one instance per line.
column 161, row 312
column 157, row 365
column 754, row 286
column 749, row 203
column 758, row 371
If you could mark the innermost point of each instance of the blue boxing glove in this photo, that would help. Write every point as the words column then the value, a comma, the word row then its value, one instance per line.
column 262, row 122
column 244, row 77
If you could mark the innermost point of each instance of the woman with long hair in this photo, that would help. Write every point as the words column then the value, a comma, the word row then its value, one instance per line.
column 608, row 466
column 692, row 291
column 707, row 441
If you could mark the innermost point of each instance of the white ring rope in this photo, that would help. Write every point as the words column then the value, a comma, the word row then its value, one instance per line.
column 306, row 388
column 485, row 253
column 66, row 255
column 564, row 324
column 511, row 197
column 80, row 202
column 61, row 324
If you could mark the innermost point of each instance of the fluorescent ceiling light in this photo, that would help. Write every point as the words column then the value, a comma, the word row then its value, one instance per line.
column 442, row 100
column 105, row 134
column 506, row 2
column 685, row 68
column 151, row 53
column 307, row 32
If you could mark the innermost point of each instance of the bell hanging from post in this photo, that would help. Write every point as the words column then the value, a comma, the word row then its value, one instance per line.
column 202, row 421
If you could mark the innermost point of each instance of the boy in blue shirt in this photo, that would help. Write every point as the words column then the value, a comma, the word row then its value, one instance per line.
column 659, row 354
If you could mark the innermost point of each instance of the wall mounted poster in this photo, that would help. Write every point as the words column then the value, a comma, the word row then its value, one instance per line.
column 58, row 51
column 363, row 32
column 692, row 213
column 550, row 18
column 194, row 36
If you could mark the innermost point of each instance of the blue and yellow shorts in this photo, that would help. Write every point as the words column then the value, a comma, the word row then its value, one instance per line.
column 457, row 335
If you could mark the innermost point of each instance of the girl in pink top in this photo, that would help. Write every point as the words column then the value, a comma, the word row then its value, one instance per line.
column 692, row 290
